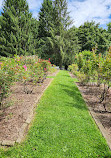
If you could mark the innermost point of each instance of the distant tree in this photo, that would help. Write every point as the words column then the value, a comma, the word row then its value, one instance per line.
column 91, row 36
column 109, row 27
column 34, row 34
column 61, row 22
column 45, row 19
column 71, row 45
column 109, row 31
column 87, row 35
column 103, row 41
column 46, row 23
column 53, row 24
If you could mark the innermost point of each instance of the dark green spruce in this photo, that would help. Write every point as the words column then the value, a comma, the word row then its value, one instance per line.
column 15, row 30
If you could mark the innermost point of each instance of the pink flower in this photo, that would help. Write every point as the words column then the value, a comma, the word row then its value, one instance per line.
column 25, row 67
column 45, row 69
column 35, row 62
column 0, row 63
column 49, row 58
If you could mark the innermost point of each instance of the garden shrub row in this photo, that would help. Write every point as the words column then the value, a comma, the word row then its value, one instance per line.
column 90, row 67
column 25, row 69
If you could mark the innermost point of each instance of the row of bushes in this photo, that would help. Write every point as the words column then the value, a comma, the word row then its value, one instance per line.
column 25, row 69
column 93, row 68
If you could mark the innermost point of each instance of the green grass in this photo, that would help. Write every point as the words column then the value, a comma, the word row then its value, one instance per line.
column 62, row 127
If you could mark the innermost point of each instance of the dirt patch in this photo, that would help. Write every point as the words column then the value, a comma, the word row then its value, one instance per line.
column 91, row 94
column 21, row 105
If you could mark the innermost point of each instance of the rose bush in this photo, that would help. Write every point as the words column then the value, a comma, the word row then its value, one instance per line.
column 27, row 70
column 94, row 68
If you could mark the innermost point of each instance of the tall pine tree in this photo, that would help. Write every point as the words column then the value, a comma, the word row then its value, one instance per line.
column 46, row 22
column 53, row 23
column 45, row 19
column 62, row 22
column 16, row 36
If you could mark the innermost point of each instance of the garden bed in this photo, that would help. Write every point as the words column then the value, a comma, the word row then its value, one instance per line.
column 15, row 118
column 91, row 94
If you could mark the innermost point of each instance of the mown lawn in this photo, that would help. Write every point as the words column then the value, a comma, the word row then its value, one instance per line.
column 62, row 126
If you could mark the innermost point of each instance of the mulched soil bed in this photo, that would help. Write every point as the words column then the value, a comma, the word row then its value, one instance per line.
column 20, row 106
column 91, row 94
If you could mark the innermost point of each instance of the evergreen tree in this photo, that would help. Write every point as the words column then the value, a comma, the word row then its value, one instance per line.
column 15, row 37
column 91, row 36
column 45, row 19
column 103, row 41
column 87, row 35
column 62, row 22
column 109, row 32
column 46, row 23
column 109, row 27
column 53, row 23
column 34, row 31
column 61, row 15
column 72, row 45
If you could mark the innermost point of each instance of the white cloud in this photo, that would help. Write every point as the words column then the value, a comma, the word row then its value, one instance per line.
column 88, row 10
column 1, row 1
column 81, row 10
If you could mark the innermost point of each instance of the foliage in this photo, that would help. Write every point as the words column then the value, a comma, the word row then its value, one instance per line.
column 46, row 23
column 25, row 69
column 72, row 46
column 91, row 36
column 109, row 27
column 45, row 19
column 7, row 73
column 51, row 36
column 54, row 20
column 16, row 33
column 73, row 67
column 94, row 67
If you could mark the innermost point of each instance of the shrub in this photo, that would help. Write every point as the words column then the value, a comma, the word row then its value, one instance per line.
column 25, row 69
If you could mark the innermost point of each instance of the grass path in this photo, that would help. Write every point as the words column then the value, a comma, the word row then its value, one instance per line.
column 62, row 127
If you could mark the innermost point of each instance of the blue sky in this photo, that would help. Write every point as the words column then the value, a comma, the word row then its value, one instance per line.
column 80, row 10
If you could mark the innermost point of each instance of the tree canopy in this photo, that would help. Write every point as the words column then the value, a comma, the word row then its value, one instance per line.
column 51, row 36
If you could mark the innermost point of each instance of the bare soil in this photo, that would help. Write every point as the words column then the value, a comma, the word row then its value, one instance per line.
column 19, row 106
column 91, row 94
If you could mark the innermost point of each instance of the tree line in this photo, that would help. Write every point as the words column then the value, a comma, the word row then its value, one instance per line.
column 52, row 36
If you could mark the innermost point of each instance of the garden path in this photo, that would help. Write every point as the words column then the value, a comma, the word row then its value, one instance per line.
column 62, row 126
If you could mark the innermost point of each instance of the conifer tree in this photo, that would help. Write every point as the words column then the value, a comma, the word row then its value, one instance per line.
column 45, row 19
column 15, row 31
column 91, row 36
column 61, row 15
column 34, row 31
column 62, row 22
column 44, row 26
column 109, row 27
column 53, row 23
column 72, row 45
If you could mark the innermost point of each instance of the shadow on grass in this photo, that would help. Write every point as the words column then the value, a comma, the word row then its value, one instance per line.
column 66, row 76
column 73, row 92
column 78, row 101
